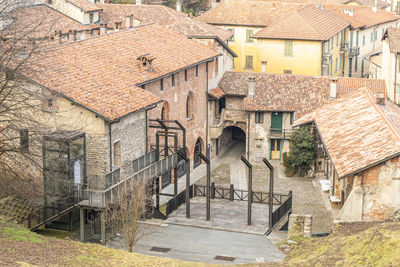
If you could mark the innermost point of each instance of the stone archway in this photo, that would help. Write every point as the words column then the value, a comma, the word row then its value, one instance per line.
column 198, row 147
column 231, row 135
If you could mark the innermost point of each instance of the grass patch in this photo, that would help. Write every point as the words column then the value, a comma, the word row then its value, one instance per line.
column 21, row 235
column 55, row 233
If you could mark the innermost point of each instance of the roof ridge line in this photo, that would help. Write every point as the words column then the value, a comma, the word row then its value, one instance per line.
column 375, row 105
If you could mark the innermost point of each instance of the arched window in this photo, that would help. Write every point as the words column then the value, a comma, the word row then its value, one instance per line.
column 165, row 111
column 189, row 106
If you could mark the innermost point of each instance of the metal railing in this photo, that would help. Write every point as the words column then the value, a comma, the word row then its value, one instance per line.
column 281, row 133
column 282, row 210
column 354, row 51
column 344, row 46
column 174, row 203
column 234, row 194
column 144, row 161
column 100, row 198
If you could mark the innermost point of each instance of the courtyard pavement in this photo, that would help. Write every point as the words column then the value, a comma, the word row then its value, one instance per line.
column 203, row 245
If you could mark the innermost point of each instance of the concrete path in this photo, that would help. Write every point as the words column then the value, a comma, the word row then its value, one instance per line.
column 203, row 245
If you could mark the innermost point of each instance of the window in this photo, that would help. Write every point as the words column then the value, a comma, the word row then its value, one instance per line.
column 197, row 70
column 248, row 34
column 337, row 39
column 49, row 2
column 173, row 80
column 372, row 36
column 162, row 84
column 383, row 31
column 117, row 153
column 249, row 62
column 287, row 71
column 332, row 42
column 341, row 36
column 363, row 40
column 259, row 117
column 189, row 106
column 232, row 39
column 288, row 48
column 376, row 35
column 340, row 61
column 259, row 142
column 163, row 113
column 291, row 117
column 216, row 66
column 24, row 139
column 336, row 65
column 143, row 86
column 91, row 18
column 185, row 75
column 355, row 63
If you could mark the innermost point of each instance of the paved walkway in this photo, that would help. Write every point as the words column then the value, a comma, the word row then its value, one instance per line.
column 203, row 245
column 224, row 215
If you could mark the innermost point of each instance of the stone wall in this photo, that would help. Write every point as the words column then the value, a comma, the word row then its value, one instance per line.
column 300, row 226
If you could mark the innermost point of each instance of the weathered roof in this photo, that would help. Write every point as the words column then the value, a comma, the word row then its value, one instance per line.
column 161, row 15
column 102, row 72
column 85, row 5
column 283, row 92
column 363, row 16
column 216, row 92
column 42, row 21
column 393, row 38
column 250, row 13
column 309, row 23
column 356, row 131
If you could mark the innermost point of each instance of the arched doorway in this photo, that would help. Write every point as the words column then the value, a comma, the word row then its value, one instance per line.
column 165, row 111
column 233, row 138
column 198, row 147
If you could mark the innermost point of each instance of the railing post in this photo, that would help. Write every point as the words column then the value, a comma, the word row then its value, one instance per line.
column 207, row 160
column 249, row 190
column 271, row 192
column 231, row 193
column 212, row 190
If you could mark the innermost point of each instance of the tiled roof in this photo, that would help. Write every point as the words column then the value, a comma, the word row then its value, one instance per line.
column 363, row 16
column 393, row 37
column 216, row 92
column 102, row 72
column 161, row 15
column 85, row 5
column 250, row 13
column 41, row 21
column 356, row 131
column 309, row 23
column 282, row 92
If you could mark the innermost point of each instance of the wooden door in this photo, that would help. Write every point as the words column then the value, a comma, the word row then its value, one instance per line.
column 275, row 148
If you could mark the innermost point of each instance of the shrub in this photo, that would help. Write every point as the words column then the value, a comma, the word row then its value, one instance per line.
column 301, row 153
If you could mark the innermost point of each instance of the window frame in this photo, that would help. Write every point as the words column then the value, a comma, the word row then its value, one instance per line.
column 288, row 50
column 248, row 34
column 259, row 117
column 246, row 63
column 173, row 80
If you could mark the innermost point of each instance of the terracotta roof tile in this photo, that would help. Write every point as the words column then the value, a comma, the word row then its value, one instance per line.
column 298, row 93
column 356, row 131
column 85, row 5
column 251, row 13
column 102, row 72
column 42, row 21
column 309, row 23
column 161, row 15
column 393, row 37
column 216, row 92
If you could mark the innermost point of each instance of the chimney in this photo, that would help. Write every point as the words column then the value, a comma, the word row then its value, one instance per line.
column 131, row 21
column 179, row 5
column 138, row 2
column 333, row 88
column 375, row 6
column 251, row 87
column 264, row 66
column 380, row 99
column 103, row 29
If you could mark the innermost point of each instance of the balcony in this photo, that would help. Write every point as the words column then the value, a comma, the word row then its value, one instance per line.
column 354, row 51
column 284, row 134
column 344, row 46
column 327, row 59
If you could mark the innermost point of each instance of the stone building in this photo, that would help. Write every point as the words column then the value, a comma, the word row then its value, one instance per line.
column 111, row 97
column 361, row 157
column 259, row 109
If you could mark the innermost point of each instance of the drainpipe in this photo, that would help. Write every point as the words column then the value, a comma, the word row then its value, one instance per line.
column 395, row 80
column 208, row 144
column 110, row 142
column 248, row 136
column 147, row 131
column 322, row 58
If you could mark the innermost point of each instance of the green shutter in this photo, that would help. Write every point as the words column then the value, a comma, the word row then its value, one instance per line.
column 276, row 122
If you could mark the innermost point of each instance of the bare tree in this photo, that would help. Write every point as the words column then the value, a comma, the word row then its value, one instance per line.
column 123, row 214
column 24, row 108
